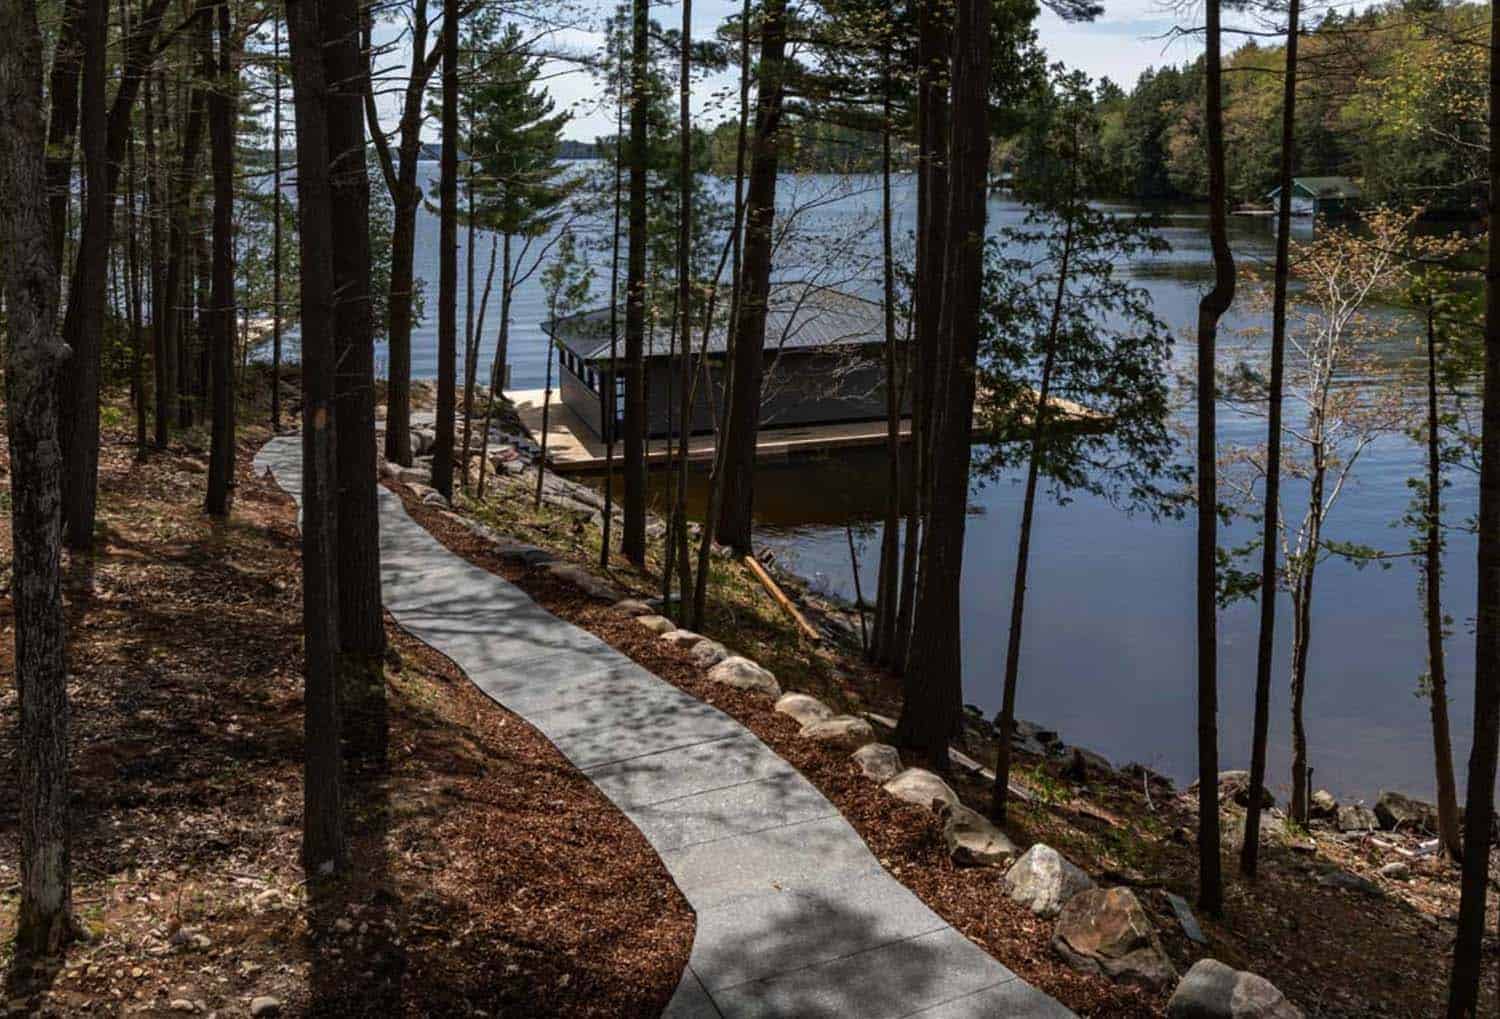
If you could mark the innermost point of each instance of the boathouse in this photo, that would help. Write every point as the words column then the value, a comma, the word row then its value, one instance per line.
column 824, row 363
column 1332, row 197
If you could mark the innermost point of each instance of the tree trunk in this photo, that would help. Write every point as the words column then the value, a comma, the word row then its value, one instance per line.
column 83, row 325
column 406, row 197
column 471, row 356
column 1212, row 307
column 742, row 423
column 633, row 543
column 221, row 117
column 158, row 215
column 888, row 579
column 442, row 452
column 497, row 366
column 1266, row 642
column 608, row 407
column 276, row 225
column 470, row 353
column 932, row 686
column 34, row 360
column 169, row 333
column 361, row 615
column 1437, row 690
column 716, row 476
column 62, row 131
column 1302, row 637
column 323, row 845
column 1479, row 810
column 684, row 306
column 1001, row 794
column 106, row 128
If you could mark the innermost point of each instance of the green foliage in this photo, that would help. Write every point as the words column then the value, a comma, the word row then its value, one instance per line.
column 1053, row 283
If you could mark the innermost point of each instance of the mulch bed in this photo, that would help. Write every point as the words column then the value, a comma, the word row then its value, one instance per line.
column 488, row 876
column 1334, row 952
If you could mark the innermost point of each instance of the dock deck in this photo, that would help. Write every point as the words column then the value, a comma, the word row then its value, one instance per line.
column 572, row 446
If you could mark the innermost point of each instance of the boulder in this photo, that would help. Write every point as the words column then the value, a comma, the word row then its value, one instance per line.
column 1212, row 990
column 803, row 709
column 1356, row 817
column 1043, row 880
column 1323, row 804
column 973, row 841
column 1397, row 810
column 1235, row 786
column 708, row 653
column 682, row 638
column 435, row 498
column 844, row 731
column 634, row 607
column 1106, row 932
column 1342, row 880
column 1030, row 738
column 594, row 587
column 880, row 762
column 422, row 440
column 1396, row 870
column 265, row 1006
column 1084, row 765
column 922, row 787
column 656, row 624
column 1142, row 774
column 746, row 675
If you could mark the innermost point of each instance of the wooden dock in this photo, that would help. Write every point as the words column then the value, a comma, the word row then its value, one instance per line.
column 573, row 447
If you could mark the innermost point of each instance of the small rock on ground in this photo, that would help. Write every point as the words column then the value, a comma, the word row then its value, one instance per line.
column 840, row 731
column 265, row 1006
column 1396, row 871
column 656, row 624
column 1356, row 817
column 1323, row 804
column 1043, row 880
column 973, row 841
column 922, row 787
column 1212, row 990
column 746, row 675
column 880, row 762
column 1396, row 810
column 634, row 607
column 682, row 638
column 803, row 709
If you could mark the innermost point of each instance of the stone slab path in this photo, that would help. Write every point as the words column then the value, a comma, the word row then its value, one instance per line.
column 795, row 916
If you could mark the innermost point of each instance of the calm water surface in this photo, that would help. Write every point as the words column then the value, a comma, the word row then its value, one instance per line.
column 1108, row 650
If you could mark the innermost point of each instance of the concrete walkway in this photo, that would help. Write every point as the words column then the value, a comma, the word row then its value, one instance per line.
column 795, row 916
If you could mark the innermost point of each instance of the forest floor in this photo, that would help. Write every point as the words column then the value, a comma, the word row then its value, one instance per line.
column 487, row 875
column 1321, row 923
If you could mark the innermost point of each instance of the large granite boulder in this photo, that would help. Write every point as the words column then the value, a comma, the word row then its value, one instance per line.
column 708, row 653
column 1030, row 738
column 1106, row 932
column 1212, row 990
column 683, row 639
column 880, row 762
column 1235, row 786
column 1323, row 804
column 802, row 709
column 656, row 624
column 922, row 787
column 1043, row 880
column 746, row 675
column 844, row 731
column 634, row 607
column 1356, row 817
column 1397, row 810
column 585, row 581
column 973, row 841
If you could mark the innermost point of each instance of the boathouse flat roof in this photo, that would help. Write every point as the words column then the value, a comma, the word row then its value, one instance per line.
column 799, row 316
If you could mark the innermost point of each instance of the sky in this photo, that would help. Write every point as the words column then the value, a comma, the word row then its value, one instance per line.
column 1120, row 44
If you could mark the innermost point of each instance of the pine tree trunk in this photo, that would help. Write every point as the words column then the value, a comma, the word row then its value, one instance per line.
column 1212, row 307
column 1479, row 810
column 361, row 615
column 169, row 357
column 62, row 132
column 323, row 845
column 932, row 687
column 1437, row 672
column 1001, row 794
column 34, row 360
column 1266, row 642
column 684, row 307
column 742, row 423
column 888, row 580
column 222, row 316
column 276, row 199
column 442, row 452
column 1302, row 636
column 633, row 540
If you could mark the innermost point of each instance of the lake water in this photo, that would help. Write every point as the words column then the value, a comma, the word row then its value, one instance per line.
column 1108, row 650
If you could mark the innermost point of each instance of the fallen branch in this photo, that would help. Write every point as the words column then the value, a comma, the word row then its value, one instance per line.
column 779, row 596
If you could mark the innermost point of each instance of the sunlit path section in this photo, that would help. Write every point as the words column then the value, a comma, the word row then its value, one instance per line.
column 795, row 916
